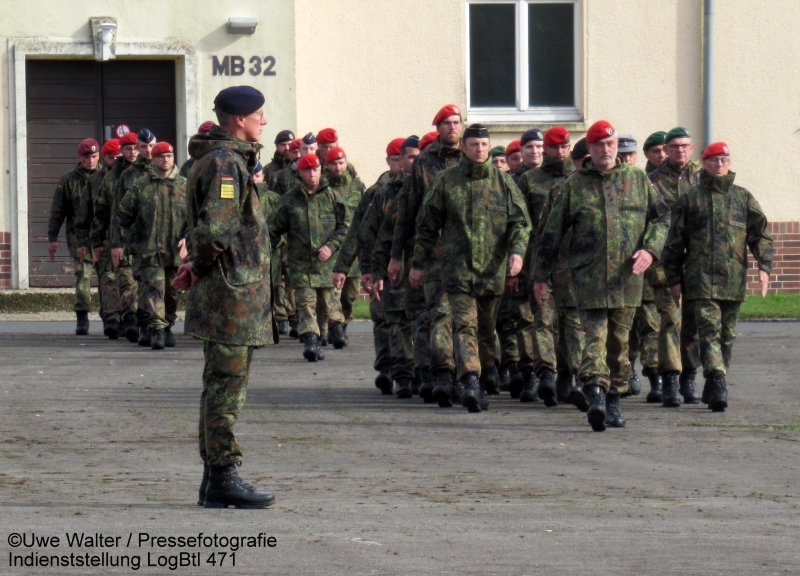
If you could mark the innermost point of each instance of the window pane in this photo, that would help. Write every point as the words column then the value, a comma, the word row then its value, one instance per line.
column 551, row 51
column 492, row 60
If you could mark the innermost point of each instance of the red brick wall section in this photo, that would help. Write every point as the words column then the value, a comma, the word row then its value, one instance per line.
column 5, row 260
column 785, row 278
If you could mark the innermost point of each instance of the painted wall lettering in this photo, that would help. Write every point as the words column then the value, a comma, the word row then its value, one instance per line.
column 234, row 65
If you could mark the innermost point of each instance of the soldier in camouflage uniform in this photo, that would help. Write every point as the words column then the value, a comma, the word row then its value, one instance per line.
column 229, row 305
column 269, row 201
column 187, row 166
column 351, row 191
column 285, row 180
column 484, row 227
column 442, row 153
column 153, row 216
column 311, row 215
column 678, row 347
column 281, row 158
column 705, row 259
column 65, row 208
column 328, row 138
column 619, row 225
column 655, row 150
column 532, row 150
column 514, row 155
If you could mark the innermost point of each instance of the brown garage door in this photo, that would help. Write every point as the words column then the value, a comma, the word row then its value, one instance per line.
column 67, row 101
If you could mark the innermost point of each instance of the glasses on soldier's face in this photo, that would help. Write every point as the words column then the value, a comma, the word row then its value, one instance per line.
column 719, row 161
column 678, row 146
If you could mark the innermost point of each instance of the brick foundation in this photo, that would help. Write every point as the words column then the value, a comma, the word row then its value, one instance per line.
column 5, row 260
column 785, row 278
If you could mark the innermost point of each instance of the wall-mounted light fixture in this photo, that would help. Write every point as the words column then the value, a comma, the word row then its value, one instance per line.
column 242, row 24
column 104, row 37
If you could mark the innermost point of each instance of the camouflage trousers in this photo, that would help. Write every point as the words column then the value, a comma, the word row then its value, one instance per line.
column 109, row 289
column 678, row 346
column 314, row 310
column 643, row 343
column 420, row 337
column 474, row 320
column 515, row 321
column 83, row 284
column 507, row 333
column 344, row 299
column 160, row 303
column 128, row 287
column 605, row 355
column 283, row 304
column 381, row 334
column 716, row 324
column 569, row 349
column 224, row 391
column 545, row 333
column 441, row 327
column 401, row 343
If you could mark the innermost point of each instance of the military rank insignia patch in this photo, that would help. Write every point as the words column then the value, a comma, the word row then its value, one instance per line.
column 226, row 188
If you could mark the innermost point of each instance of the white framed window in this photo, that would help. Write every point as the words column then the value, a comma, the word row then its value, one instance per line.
column 524, row 60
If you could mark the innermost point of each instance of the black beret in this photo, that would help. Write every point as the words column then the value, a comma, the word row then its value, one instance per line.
column 242, row 100
column 146, row 136
column 579, row 150
column 255, row 169
column 531, row 135
column 476, row 131
column 284, row 136
column 309, row 138
column 410, row 142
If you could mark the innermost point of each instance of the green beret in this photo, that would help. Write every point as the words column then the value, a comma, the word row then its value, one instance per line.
column 677, row 132
column 497, row 151
column 655, row 139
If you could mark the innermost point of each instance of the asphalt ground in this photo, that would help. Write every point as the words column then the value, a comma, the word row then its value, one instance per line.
column 98, row 436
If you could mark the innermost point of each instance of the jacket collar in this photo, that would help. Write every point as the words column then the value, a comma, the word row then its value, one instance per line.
column 713, row 184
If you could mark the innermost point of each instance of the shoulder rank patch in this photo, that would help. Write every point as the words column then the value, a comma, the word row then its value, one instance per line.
column 226, row 187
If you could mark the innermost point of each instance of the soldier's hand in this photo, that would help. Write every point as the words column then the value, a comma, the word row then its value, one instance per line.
column 116, row 256
column 377, row 288
column 185, row 278
column 416, row 278
column 512, row 286
column 51, row 249
column 514, row 264
column 324, row 254
column 182, row 251
column 676, row 294
column 539, row 290
column 763, row 278
column 96, row 253
column 366, row 282
column 394, row 270
column 338, row 279
column 642, row 259
column 81, row 253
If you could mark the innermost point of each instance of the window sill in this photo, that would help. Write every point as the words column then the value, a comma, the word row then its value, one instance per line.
column 523, row 125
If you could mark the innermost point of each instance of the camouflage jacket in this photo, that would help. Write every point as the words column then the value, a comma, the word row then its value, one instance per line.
column 269, row 201
column 284, row 180
column 153, row 214
column 650, row 168
column 126, row 180
column 352, row 192
column 349, row 250
column 187, row 167
column 393, row 296
column 101, row 221
column 612, row 215
column 561, row 282
column 230, row 245
column 712, row 226
column 310, row 222
column 85, row 215
column 66, row 204
column 371, row 223
column 482, row 218
column 278, row 162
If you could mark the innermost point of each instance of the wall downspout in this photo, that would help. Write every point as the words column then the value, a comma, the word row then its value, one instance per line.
column 708, row 73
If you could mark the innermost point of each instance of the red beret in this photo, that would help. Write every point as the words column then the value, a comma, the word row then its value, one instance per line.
column 88, row 146
column 295, row 145
column 446, row 110
column 393, row 149
column 128, row 139
column 308, row 161
column 428, row 139
column 716, row 149
column 334, row 154
column 162, row 148
column 327, row 136
column 111, row 147
column 599, row 131
column 514, row 146
column 205, row 127
column 556, row 135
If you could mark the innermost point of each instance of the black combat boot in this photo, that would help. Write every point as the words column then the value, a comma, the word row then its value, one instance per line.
column 547, row 387
column 443, row 391
column 383, row 381
column 416, row 382
column 505, row 377
column 688, row 388
column 516, row 381
column 596, row 398
column 576, row 396
column 670, row 396
column 530, row 386
column 157, row 339
column 322, row 340
column 634, row 385
column 131, row 331
column 563, row 386
column 169, row 338
column 293, row 330
column 283, row 327
column 656, row 394
column 337, row 336
column 426, row 386
column 201, row 498
column 490, row 380
column 144, row 336
column 717, row 392
column 403, row 391
column 111, row 329
column 311, row 350
column 458, row 389
column 225, row 488
column 471, row 397
column 614, row 418
column 82, row 324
